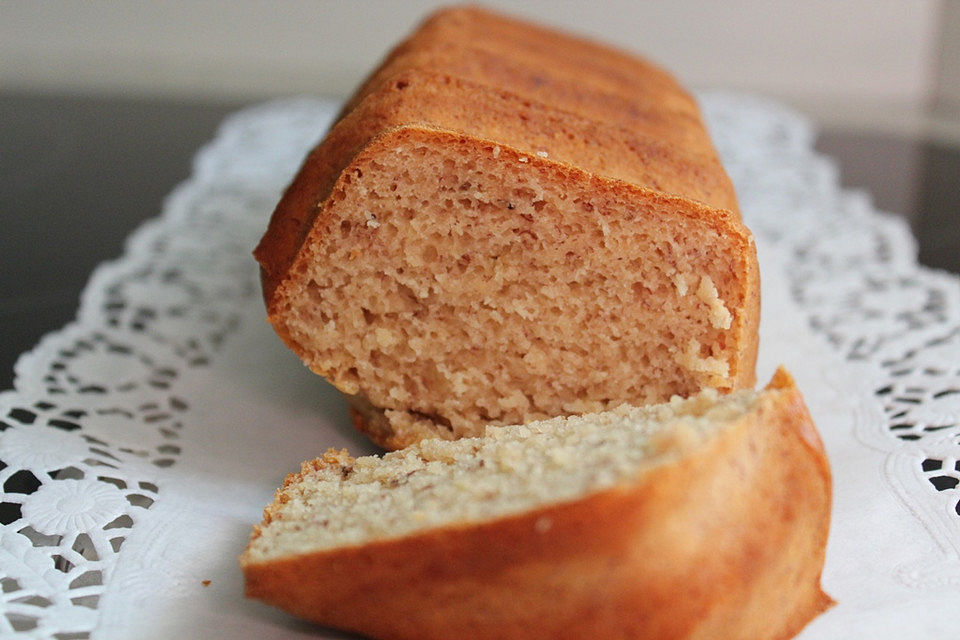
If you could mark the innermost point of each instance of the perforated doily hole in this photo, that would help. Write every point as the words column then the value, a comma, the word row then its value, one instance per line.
column 21, row 622
column 8, row 585
column 83, row 545
column 68, row 473
column 39, row 539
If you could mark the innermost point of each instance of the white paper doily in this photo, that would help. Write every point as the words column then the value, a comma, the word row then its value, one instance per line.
column 141, row 442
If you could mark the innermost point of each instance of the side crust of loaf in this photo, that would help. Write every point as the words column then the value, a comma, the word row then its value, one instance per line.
column 727, row 542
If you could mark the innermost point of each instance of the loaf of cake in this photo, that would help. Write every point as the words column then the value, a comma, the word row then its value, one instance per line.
column 699, row 518
column 510, row 224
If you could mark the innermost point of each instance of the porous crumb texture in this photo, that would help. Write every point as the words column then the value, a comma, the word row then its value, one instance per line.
column 506, row 225
column 469, row 295
column 339, row 501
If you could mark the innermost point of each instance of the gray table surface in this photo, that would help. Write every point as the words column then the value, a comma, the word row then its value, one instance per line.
column 78, row 174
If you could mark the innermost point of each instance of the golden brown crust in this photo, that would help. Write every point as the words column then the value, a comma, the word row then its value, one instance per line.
column 641, row 103
column 726, row 542
column 747, row 333
column 546, row 47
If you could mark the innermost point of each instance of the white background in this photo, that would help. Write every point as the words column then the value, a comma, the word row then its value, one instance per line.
column 861, row 63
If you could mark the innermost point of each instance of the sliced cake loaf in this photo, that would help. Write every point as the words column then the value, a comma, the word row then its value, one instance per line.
column 510, row 224
column 698, row 518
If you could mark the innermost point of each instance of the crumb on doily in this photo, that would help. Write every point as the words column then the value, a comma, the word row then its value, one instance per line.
column 205, row 583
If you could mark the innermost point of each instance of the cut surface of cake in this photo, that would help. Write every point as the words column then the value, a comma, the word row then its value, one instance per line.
column 510, row 224
column 697, row 518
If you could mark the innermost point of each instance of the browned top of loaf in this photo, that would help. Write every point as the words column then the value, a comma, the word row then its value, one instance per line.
column 582, row 76
column 485, row 76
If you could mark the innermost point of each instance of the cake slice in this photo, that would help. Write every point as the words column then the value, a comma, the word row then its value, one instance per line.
column 509, row 224
column 698, row 518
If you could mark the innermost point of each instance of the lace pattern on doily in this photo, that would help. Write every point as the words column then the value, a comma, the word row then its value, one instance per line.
column 84, row 456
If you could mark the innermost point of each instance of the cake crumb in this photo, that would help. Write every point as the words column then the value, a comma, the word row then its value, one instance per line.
column 385, row 337
column 720, row 317
column 205, row 583
column 513, row 470
column 692, row 360
column 680, row 282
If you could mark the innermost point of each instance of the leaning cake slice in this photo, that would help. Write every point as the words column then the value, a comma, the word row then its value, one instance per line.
column 698, row 518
